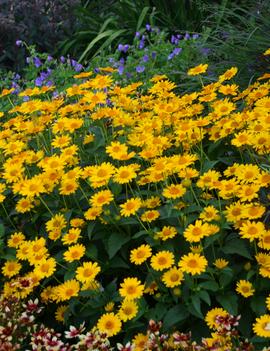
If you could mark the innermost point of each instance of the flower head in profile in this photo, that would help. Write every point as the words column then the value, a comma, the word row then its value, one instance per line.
column 197, row 70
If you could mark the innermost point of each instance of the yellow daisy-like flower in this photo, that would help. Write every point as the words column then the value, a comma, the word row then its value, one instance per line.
column 174, row 191
column 150, row 216
column 267, row 52
column 211, row 316
column 141, row 254
column 167, row 232
column 128, row 310
column 197, row 70
column 87, row 272
column 125, row 174
column 245, row 288
column 45, row 268
column 109, row 323
column 92, row 213
column 262, row 326
column 11, row 268
column 220, row 263
column 15, row 240
column 252, row 230
column 74, row 253
column 140, row 342
column 68, row 289
column 72, row 236
column 193, row 263
column 60, row 313
column 131, row 288
column 173, row 277
column 130, row 207
column 103, row 197
column 162, row 260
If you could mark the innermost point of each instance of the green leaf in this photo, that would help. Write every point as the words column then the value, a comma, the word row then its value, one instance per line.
column 210, row 285
column 236, row 246
column 175, row 315
column 229, row 303
column 142, row 17
column 258, row 305
column 90, row 229
column 196, row 303
column 205, row 296
column 2, row 230
column 115, row 242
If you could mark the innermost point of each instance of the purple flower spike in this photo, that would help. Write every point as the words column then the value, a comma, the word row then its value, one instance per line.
column 121, row 69
column 177, row 51
column 37, row 62
column 140, row 69
column 141, row 44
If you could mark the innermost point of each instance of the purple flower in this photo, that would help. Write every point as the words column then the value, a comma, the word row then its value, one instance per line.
column 19, row 43
column 120, row 47
column 17, row 76
column 122, row 60
column 121, row 69
column 173, row 39
column 140, row 69
column 49, row 83
column 195, row 36
column 148, row 27
column 141, row 44
column 145, row 58
column 187, row 36
column 170, row 56
column 26, row 98
column 55, row 94
column 49, row 58
column 62, row 59
column 38, row 81
column 154, row 55
column 78, row 67
column 96, row 70
column 137, row 35
column 179, row 36
column 177, row 51
column 37, row 62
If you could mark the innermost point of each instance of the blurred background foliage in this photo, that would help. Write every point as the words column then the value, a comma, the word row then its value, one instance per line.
column 233, row 32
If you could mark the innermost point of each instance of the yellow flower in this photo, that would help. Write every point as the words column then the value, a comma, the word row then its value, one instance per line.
column 130, row 207
column 109, row 323
column 193, row 263
column 267, row 52
column 60, row 313
column 150, row 216
column 220, row 263
column 15, row 240
column 92, row 213
column 109, row 306
column 45, row 268
column 68, row 289
column 87, row 272
column 172, row 277
column 11, row 268
column 103, row 197
column 252, row 230
column 162, row 260
column 128, row 310
column 140, row 341
column 125, row 174
column 174, row 191
column 58, row 221
column 74, row 253
column 211, row 316
column 24, row 205
column 197, row 70
column 245, row 288
column 167, row 232
column 141, row 254
column 72, row 236
column 262, row 326
column 131, row 288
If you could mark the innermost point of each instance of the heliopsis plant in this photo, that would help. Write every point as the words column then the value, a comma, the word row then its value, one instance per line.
column 121, row 203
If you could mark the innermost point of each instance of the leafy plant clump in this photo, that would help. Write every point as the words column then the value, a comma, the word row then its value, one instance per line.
column 121, row 204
